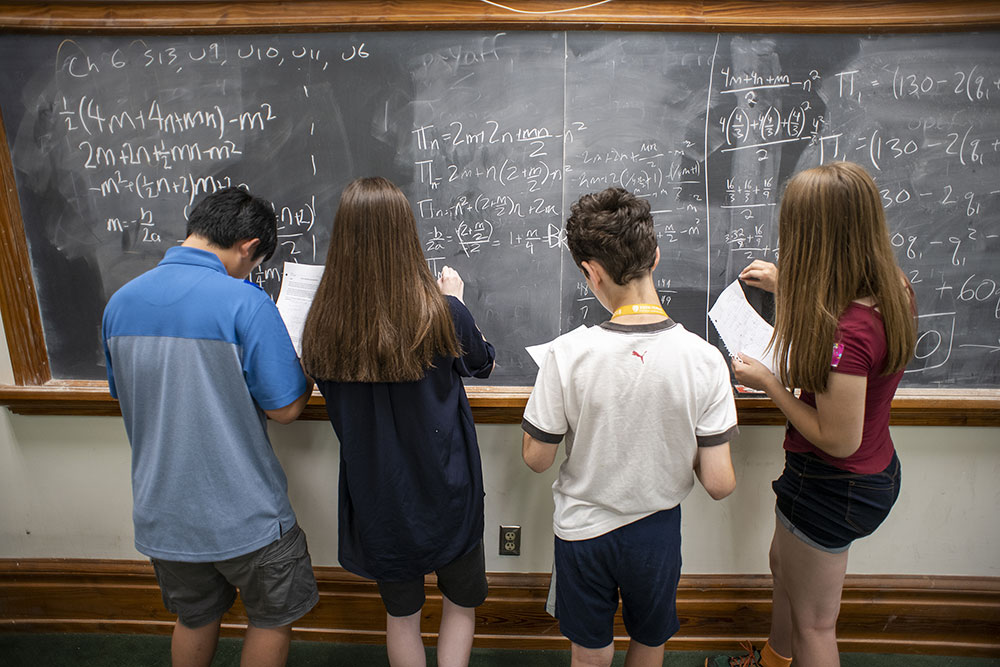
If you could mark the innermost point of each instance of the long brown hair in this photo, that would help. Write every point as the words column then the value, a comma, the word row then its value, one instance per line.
column 378, row 315
column 834, row 248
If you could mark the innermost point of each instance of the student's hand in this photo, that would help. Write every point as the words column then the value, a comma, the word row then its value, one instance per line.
column 751, row 373
column 761, row 274
column 450, row 283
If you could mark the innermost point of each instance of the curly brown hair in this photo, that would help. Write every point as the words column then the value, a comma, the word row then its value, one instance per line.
column 614, row 228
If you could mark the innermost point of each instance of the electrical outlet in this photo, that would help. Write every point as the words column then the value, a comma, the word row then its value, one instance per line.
column 510, row 540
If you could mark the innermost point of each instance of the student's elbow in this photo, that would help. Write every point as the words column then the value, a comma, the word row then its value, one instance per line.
column 719, row 483
column 536, row 465
column 538, row 455
column 721, row 488
column 291, row 412
column 535, row 460
column 841, row 442
column 843, row 448
column 714, row 469
column 285, row 415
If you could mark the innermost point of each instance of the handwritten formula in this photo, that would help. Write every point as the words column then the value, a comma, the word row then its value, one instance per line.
column 494, row 135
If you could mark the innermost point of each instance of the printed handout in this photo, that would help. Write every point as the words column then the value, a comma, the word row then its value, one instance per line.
column 298, row 286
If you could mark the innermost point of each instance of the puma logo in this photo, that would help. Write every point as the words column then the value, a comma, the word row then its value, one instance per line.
column 641, row 356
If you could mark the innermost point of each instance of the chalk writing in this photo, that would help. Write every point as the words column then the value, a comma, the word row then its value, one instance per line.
column 494, row 135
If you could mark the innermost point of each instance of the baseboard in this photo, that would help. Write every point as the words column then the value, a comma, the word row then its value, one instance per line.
column 931, row 615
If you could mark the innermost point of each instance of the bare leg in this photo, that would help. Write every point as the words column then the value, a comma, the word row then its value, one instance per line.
column 266, row 647
column 813, row 582
column 458, row 625
column 403, row 642
column 592, row 657
column 194, row 647
column 640, row 655
column 780, row 637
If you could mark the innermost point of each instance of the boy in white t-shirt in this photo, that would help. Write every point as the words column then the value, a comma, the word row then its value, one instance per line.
column 644, row 407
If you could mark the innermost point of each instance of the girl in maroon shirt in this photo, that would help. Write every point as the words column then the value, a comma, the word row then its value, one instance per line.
column 844, row 332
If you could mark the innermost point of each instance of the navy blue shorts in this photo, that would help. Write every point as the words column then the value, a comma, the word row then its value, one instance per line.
column 641, row 561
column 827, row 507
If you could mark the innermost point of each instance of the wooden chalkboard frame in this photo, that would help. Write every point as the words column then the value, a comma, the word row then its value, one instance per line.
column 36, row 393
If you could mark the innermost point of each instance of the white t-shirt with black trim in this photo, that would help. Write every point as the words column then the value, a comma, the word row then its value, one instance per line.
column 634, row 402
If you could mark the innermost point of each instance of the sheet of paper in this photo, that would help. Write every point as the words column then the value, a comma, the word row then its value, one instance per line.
column 298, row 286
column 538, row 352
column 743, row 331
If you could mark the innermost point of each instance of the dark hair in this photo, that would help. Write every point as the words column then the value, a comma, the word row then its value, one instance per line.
column 614, row 228
column 226, row 217
column 378, row 314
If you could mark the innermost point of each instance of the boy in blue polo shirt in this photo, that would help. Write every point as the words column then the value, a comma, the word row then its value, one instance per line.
column 197, row 357
column 644, row 407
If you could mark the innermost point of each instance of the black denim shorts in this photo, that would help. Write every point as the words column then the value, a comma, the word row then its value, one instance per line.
column 828, row 507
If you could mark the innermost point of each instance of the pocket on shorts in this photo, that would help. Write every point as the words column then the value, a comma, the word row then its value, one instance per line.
column 869, row 502
column 281, row 571
column 287, row 548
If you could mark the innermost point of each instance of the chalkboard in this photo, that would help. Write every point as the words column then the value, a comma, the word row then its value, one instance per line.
column 493, row 135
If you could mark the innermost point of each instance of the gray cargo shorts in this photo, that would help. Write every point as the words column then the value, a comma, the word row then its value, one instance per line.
column 276, row 583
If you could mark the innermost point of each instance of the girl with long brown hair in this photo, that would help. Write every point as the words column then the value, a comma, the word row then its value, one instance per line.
column 388, row 347
column 844, row 332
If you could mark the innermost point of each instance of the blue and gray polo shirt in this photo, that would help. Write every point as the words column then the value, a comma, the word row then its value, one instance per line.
column 194, row 357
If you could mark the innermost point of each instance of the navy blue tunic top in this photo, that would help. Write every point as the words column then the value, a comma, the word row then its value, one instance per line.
column 411, row 480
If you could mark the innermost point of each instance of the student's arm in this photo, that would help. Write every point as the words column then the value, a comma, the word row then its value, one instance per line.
column 715, row 428
column 834, row 425
column 714, row 468
column 272, row 370
column 478, row 358
column 544, row 422
column 291, row 412
column 537, row 454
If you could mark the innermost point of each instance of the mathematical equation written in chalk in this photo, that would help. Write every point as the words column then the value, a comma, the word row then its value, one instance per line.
column 493, row 136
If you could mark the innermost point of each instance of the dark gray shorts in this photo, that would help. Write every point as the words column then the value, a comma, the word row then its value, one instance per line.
column 276, row 583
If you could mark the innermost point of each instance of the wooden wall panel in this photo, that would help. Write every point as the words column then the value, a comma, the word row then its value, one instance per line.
column 880, row 614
